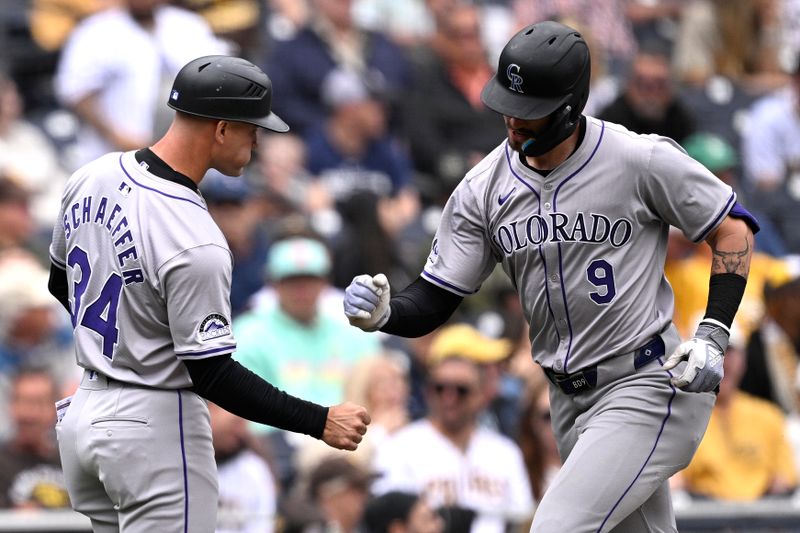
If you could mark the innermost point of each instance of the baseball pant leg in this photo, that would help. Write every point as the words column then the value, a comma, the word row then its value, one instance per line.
column 622, row 441
column 86, row 493
column 654, row 515
column 149, row 451
column 160, row 467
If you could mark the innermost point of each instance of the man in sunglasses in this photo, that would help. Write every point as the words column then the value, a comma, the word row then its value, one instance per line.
column 473, row 471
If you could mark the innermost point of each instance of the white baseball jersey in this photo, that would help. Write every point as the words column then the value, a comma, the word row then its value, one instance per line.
column 585, row 245
column 149, row 273
column 488, row 477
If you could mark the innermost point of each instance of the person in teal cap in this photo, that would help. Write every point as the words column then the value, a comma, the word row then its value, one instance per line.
column 295, row 343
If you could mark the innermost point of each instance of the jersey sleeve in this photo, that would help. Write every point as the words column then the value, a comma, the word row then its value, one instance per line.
column 461, row 255
column 196, row 287
column 683, row 193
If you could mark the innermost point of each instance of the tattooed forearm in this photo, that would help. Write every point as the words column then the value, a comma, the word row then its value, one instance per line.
column 736, row 261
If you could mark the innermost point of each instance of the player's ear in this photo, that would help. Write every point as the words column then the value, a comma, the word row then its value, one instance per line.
column 221, row 131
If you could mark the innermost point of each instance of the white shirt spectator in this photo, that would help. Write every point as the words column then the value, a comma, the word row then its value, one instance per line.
column 770, row 141
column 109, row 54
column 488, row 477
column 247, row 495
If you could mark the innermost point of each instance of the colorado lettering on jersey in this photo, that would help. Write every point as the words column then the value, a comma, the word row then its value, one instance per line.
column 591, row 228
column 101, row 213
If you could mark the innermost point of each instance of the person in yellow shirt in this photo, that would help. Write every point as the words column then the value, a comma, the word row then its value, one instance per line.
column 745, row 454
column 686, row 266
column 686, row 270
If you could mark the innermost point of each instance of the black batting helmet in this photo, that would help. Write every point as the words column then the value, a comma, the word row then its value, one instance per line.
column 544, row 69
column 225, row 88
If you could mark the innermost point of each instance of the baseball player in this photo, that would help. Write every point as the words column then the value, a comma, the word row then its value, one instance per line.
column 145, row 274
column 577, row 212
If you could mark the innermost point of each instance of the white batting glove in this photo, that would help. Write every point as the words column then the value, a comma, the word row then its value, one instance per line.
column 703, row 355
column 366, row 301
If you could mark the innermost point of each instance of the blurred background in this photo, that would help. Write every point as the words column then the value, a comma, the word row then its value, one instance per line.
column 383, row 100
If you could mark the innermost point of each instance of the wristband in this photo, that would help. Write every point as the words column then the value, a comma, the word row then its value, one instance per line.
column 725, row 293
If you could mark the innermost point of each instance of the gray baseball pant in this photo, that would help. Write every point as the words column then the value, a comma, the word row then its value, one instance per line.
column 139, row 460
column 621, row 442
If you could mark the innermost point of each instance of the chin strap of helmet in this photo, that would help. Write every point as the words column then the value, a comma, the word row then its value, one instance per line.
column 561, row 126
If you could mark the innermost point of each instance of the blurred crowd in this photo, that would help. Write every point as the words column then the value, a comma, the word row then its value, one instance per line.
column 383, row 100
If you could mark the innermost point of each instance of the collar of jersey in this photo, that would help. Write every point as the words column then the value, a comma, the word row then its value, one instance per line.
column 576, row 158
column 145, row 179
column 158, row 167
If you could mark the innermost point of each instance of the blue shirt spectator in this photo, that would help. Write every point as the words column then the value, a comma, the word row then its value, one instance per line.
column 298, row 66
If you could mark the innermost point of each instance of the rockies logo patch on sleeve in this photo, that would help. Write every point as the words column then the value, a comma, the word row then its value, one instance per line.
column 214, row 326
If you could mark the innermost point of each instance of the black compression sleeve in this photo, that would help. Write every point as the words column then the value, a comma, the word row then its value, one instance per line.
column 725, row 293
column 238, row 390
column 419, row 309
column 58, row 285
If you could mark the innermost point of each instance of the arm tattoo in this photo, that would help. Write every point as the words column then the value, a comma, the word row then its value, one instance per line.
column 733, row 262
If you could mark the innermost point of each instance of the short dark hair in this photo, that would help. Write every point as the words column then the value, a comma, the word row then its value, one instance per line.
column 387, row 508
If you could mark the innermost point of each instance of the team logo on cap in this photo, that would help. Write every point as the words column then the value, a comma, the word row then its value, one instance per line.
column 512, row 73
column 214, row 326
column 174, row 95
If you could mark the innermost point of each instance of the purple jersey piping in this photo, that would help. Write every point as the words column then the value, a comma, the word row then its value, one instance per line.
column 517, row 176
column 560, row 264
column 652, row 451
column 228, row 348
column 715, row 222
column 58, row 263
column 541, row 255
column 201, row 206
column 185, row 474
column 446, row 284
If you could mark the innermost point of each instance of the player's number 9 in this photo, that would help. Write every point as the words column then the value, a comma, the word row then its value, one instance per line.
column 601, row 274
column 107, row 299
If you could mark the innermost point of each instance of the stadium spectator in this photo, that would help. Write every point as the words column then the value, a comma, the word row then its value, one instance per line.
column 32, row 332
column 649, row 103
column 401, row 512
column 447, row 126
column 293, row 345
column 352, row 151
column 115, row 69
column 30, row 469
column 51, row 21
column 460, row 339
column 286, row 183
column 16, row 220
column 606, row 20
column 535, row 437
column 687, row 273
column 295, row 342
column 745, row 454
column 771, row 156
column 773, row 350
column 406, row 23
column 233, row 205
column 247, row 489
column 451, row 460
column 736, row 39
column 235, row 21
column 28, row 155
column 720, row 157
column 339, row 489
column 330, row 38
column 379, row 383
